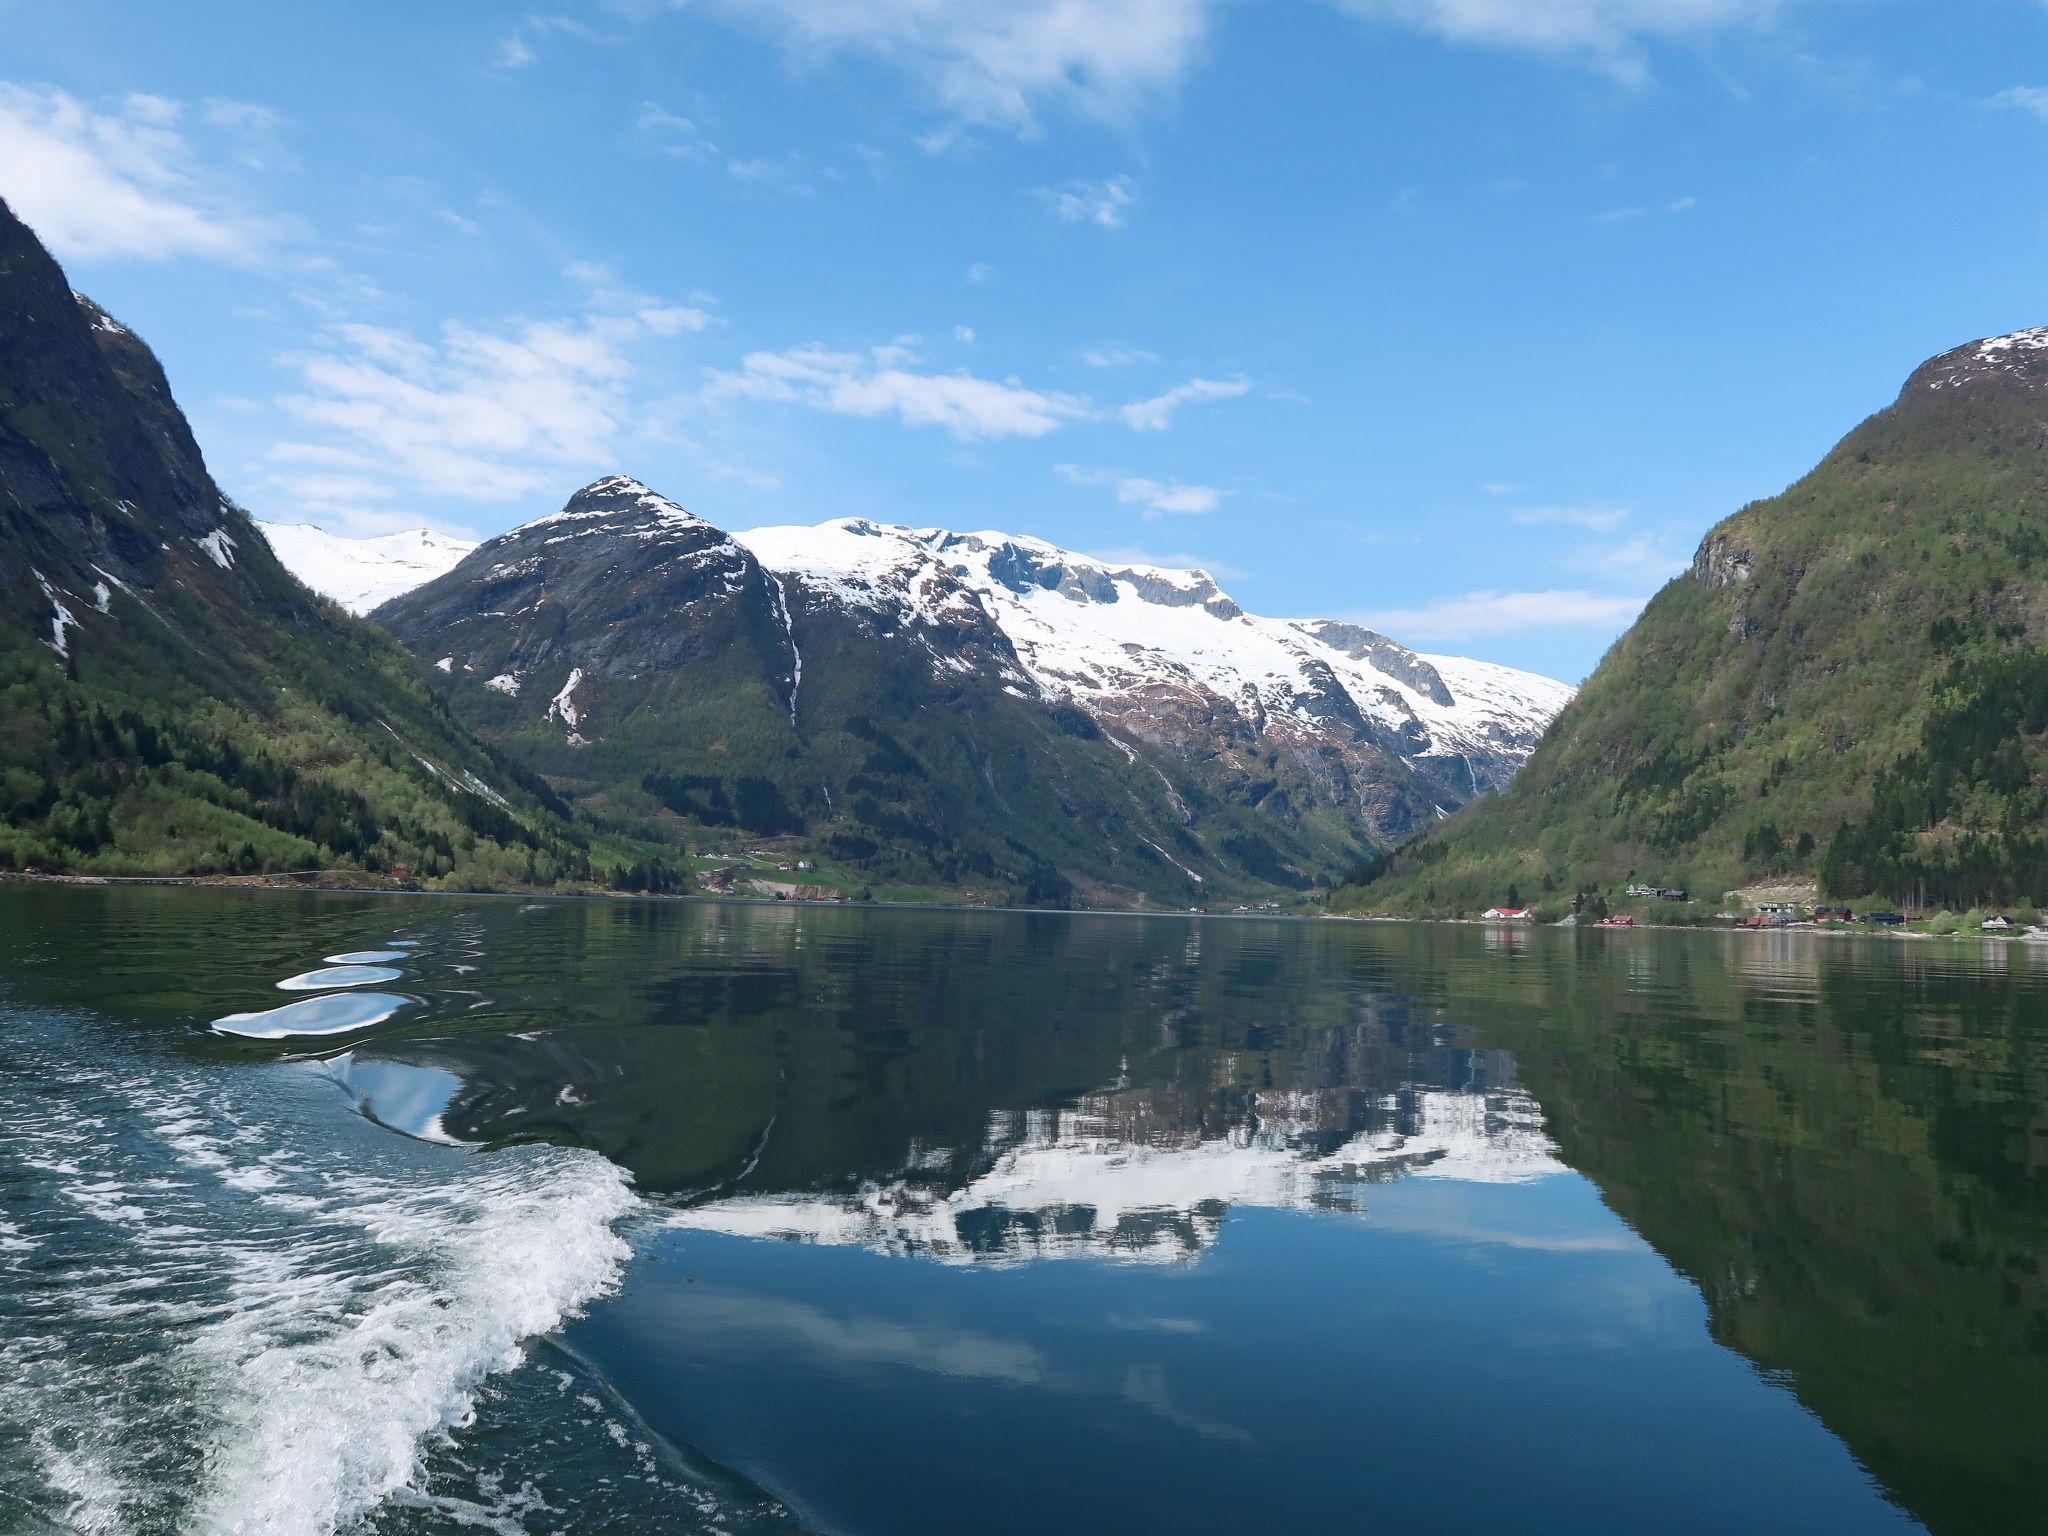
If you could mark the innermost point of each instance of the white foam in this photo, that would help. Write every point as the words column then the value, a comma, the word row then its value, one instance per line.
column 322, row 1430
column 245, row 1337
column 346, row 974
column 335, row 1013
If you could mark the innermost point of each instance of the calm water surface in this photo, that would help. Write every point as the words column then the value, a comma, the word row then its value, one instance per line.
column 436, row 1215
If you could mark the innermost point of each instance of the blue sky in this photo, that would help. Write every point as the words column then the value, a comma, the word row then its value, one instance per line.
column 1461, row 317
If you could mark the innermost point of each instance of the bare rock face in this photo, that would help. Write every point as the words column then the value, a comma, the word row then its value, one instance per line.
column 618, row 586
column 1718, row 564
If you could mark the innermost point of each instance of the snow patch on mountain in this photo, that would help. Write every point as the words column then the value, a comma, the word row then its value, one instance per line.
column 1105, row 634
column 360, row 574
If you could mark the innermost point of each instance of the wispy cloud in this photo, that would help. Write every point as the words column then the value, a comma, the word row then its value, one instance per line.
column 882, row 382
column 1157, row 497
column 1156, row 414
column 1478, row 615
column 126, row 182
column 1101, row 203
column 1599, row 519
column 999, row 63
column 522, row 45
column 471, row 412
column 674, row 136
column 1117, row 356
column 1610, row 35
column 1642, row 559
column 2027, row 98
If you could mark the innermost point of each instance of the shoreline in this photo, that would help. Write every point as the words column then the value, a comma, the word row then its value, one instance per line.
column 319, row 883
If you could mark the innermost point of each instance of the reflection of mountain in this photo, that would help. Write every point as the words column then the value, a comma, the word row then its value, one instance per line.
column 1111, row 1178
column 1842, row 1144
column 1845, row 1146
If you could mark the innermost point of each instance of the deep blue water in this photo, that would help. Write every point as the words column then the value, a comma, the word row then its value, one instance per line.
column 590, row 1217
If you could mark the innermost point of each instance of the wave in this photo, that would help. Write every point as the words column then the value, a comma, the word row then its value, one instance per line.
column 231, row 1306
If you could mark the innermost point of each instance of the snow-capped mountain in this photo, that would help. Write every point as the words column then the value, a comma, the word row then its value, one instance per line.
column 1086, row 1182
column 970, row 706
column 1140, row 647
column 360, row 574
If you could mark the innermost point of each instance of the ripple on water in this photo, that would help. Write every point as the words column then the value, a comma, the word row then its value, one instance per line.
column 338, row 976
column 336, row 1013
column 365, row 956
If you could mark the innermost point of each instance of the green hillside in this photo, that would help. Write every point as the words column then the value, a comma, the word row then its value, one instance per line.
column 1848, row 686
column 172, row 701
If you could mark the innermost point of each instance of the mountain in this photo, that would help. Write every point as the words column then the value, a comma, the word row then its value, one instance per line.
column 971, row 711
column 1848, row 686
column 171, row 700
column 361, row 573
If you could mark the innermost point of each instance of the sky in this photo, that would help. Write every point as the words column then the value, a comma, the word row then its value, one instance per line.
column 1460, row 318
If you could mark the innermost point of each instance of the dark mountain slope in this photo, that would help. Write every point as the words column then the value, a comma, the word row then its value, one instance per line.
column 1847, row 685
column 171, row 699
column 650, row 666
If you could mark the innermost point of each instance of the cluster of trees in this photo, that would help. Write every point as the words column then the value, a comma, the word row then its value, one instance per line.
column 1962, row 819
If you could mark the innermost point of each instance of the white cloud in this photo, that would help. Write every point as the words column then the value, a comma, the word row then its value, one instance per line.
column 1101, row 203
column 2028, row 98
column 1474, row 615
column 964, row 334
column 880, row 382
column 997, row 62
column 1597, row 518
column 979, row 272
column 1155, row 496
column 521, row 46
column 687, row 139
column 605, row 291
column 1117, row 356
column 1156, row 414
column 1645, row 558
column 477, row 413
column 127, row 184
column 1611, row 34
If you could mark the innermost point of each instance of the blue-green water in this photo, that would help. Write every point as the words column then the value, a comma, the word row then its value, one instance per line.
column 610, row 1217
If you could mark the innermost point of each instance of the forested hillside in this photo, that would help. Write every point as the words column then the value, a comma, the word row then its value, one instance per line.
column 1847, row 686
column 172, row 701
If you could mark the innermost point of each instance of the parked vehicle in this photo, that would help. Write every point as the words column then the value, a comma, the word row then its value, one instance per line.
column 1884, row 919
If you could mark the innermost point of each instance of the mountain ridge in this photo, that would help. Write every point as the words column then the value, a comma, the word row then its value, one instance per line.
column 1847, row 687
column 823, row 663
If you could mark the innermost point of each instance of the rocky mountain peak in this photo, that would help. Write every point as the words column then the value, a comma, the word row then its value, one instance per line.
column 619, row 502
column 2021, row 355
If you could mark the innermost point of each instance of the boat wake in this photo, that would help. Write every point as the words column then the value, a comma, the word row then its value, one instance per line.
column 227, row 1304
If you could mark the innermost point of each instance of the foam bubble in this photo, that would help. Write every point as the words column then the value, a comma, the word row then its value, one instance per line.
column 338, row 976
column 335, row 1013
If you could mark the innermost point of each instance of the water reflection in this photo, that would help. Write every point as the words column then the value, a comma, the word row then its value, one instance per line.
column 1115, row 1177
column 1840, row 1145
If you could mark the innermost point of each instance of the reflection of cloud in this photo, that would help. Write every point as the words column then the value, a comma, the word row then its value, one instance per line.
column 1146, row 1386
column 1451, row 1226
column 861, row 1341
column 1072, row 1183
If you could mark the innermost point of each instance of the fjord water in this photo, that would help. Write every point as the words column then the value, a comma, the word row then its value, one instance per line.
column 610, row 1217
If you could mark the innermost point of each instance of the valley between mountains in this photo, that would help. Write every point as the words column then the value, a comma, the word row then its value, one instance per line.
column 916, row 708
column 1846, row 692
column 624, row 696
